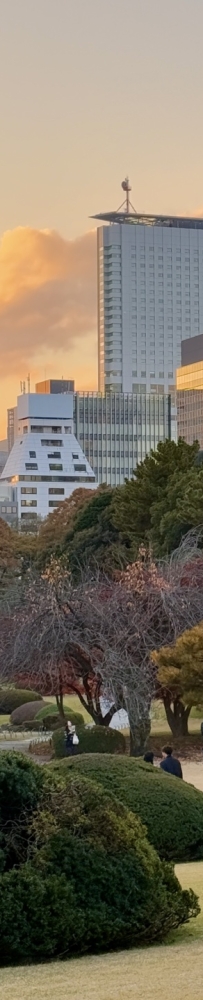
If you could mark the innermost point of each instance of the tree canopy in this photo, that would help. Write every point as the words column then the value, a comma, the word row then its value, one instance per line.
column 145, row 502
column 180, row 677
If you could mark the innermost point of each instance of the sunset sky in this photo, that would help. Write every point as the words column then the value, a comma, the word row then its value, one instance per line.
column 89, row 91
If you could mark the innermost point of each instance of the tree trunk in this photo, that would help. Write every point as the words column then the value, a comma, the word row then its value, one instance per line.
column 139, row 734
column 177, row 717
column 59, row 702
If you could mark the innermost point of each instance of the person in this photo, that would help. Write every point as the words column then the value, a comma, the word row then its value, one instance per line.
column 148, row 757
column 170, row 764
column 71, row 739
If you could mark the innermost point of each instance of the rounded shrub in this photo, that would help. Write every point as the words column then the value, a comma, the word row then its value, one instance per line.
column 50, row 712
column 97, row 739
column 94, row 882
column 25, row 713
column 171, row 810
column 21, row 784
column 12, row 698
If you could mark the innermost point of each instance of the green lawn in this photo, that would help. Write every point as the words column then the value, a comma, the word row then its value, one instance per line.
column 173, row 971
column 72, row 701
column 4, row 719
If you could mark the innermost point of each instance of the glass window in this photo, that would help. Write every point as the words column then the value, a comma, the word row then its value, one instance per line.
column 32, row 454
column 49, row 442
column 80, row 468
column 58, row 468
column 58, row 490
column 31, row 465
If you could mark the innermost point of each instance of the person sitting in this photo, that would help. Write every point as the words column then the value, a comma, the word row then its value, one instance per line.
column 170, row 764
column 148, row 757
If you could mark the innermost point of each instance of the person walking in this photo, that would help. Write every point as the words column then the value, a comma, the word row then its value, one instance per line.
column 170, row 764
column 71, row 739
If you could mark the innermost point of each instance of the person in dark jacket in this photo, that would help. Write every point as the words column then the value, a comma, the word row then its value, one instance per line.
column 170, row 764
column 71, row 739
column 148, row 757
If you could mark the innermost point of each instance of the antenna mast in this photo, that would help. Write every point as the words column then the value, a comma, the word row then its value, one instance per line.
column 126, row 205
column 126, row 187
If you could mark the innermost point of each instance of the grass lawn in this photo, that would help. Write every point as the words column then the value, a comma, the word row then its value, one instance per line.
column 4, row 719
column 72, row 701
column 173, row 971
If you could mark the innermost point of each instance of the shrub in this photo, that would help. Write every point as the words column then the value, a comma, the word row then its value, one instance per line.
column 171, row 809
column 98, row 739
column 94, row 883
column 11, row 698
column 25, row 713
column 21, row 783
column 50, row 712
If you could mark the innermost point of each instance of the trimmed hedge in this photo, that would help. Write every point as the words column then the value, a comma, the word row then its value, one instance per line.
column 94, row 883
column 98, row 739
column 21, row 784
column 12, row 698
column 25, row 713
column 171, row 810
column 50, row 715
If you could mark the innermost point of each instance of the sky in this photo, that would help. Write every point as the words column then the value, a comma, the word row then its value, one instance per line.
column 89, row 92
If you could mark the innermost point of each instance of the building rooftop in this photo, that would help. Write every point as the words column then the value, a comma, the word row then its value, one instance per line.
column 140, row 219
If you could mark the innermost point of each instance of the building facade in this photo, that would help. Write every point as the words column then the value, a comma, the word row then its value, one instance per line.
column 8, row 505
column 116, row 431
column 189, row 383
column 150, row 297
column 46, row 462
column 55, row 385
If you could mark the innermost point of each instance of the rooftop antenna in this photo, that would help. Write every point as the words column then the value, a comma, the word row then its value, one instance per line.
column 22, row 388
column 28, row 383
column 127, row 204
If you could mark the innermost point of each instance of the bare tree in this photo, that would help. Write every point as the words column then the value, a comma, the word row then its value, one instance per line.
column 97, row 638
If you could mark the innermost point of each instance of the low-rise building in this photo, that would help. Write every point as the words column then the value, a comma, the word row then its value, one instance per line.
column 46, row 463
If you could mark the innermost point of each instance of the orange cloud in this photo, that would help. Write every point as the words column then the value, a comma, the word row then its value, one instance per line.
column 47, row 295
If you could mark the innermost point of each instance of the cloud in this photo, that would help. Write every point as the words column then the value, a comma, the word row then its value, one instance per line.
column 47, row 295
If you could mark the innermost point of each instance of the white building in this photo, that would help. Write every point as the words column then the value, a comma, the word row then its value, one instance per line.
column 46, row 463
column 150, row 297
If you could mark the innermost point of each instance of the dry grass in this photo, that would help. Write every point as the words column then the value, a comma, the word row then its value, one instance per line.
column 166, row 972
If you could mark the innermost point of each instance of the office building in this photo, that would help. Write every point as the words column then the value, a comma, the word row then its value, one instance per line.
column 116, row 431
column 189, row 383
column 150, row 297
column 46, row 462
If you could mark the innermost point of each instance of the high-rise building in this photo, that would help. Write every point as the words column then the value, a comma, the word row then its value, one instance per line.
column 189, row 383
column 150, row 297
column 46, row 463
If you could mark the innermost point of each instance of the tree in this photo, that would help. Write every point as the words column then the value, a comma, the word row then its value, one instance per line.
column 10, row 562
column 82, row 530
column 47, row 638
column 180, row 677
column 57, row 526
column 143, row 501
column 97, row 637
